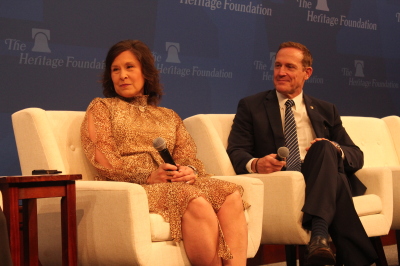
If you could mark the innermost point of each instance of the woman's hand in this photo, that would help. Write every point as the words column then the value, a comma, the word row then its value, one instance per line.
column 185, row 174
column 163, row 174
column 171, row 173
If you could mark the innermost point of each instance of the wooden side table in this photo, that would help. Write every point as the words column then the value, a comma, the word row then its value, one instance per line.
column 29, row 189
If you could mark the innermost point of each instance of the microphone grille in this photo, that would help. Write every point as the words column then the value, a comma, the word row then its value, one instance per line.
column 159, row 144
column 283, row 152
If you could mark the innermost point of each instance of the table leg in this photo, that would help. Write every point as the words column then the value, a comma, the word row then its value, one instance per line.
column 68, row 224
column 30, row 232
column 11, row 211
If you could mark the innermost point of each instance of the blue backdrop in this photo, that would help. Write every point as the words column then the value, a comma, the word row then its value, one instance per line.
column 210, row 53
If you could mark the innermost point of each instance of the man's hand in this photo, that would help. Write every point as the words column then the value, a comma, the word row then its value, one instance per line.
column 315, row 140
column 332, row 142
column 267, row 164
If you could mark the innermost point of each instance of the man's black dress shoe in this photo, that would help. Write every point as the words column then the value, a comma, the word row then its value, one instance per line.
column 319, row 253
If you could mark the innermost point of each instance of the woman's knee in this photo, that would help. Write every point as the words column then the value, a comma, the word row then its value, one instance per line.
column 234, row 200
column 200, row 208
column 235, row 196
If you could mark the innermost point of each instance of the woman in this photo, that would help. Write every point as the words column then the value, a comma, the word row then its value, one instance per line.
column 117, row 136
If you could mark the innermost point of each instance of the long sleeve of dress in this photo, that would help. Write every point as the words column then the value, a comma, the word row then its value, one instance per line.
column 134, row 167
column 124, row 135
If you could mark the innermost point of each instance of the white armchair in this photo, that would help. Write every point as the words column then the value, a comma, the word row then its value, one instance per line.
column 284, row 192
column 393, row 123
column 113, row 219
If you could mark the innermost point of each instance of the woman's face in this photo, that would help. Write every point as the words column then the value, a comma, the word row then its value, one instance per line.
column 127, row 76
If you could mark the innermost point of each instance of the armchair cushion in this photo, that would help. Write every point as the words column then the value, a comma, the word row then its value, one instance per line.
column 367, row 204
column 160, row 229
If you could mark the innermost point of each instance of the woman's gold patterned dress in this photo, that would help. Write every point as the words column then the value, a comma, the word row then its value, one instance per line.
column 125, row 130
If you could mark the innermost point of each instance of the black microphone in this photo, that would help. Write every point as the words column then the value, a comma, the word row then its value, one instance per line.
column 160, row 145
column 282, row 153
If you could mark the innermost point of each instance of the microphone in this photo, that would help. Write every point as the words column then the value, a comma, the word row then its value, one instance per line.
column 160, row 145
column 282, row 153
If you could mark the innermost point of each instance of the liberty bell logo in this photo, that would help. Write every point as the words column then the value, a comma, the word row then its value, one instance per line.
column 272, row 56
column 173, row 50
column 322, row 5
column 359, row 65
column 41, row 38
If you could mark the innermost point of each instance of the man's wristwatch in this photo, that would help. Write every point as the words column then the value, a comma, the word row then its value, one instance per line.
column 337, row 146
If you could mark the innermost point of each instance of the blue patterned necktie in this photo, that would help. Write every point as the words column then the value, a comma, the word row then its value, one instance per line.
column 293, row 162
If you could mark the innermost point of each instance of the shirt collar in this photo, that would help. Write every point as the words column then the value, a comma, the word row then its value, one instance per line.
column 298, row 100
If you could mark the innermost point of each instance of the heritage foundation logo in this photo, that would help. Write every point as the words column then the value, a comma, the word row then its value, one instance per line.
column 173, row 50
column 231, row 6
column 357, row 78
column 341, row 20
column 265, row 68
column 42, row 53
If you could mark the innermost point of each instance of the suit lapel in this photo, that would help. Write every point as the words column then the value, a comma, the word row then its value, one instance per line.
column 274, row 117
column 316, row 119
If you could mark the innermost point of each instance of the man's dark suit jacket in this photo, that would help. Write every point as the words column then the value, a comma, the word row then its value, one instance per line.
column 257, row 131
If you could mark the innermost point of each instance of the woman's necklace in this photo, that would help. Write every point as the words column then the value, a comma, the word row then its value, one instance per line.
column 141, row 108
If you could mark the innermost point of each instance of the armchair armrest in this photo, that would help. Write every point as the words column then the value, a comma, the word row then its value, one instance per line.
column 253, row 194
column 396, row 196
column 378, row 181
column 115, row 222
column 112, row 220
column 284, row 195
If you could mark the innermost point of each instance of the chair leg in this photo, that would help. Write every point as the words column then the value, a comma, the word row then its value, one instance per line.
column 339, row 260
column 258, row 258
column 290, row 251
column 398, row 245
column 301, row 253
column 377, row 243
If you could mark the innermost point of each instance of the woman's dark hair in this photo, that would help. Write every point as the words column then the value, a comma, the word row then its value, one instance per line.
column 152, row 86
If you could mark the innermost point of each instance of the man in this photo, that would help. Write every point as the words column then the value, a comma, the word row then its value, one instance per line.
column 322, row 151
column 5, row 256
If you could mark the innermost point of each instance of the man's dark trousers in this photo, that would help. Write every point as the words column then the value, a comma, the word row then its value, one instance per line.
column 328, row 195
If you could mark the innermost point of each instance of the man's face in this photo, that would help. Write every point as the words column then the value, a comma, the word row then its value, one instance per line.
column 289, row 73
